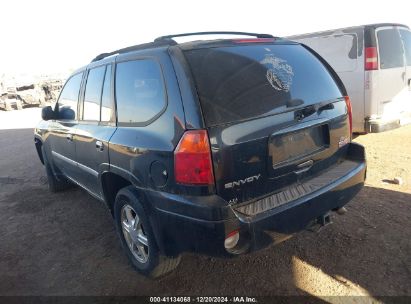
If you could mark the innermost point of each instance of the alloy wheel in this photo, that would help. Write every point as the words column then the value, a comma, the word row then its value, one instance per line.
column 134, row 233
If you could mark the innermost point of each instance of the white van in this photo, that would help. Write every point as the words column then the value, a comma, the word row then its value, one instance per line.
column 374, row 62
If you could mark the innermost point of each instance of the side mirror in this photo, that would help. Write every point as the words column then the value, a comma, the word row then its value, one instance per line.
column 47, row 113
column 66, row 113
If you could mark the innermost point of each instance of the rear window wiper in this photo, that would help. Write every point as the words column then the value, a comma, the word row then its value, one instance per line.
column 329, row 105
column 311, row 109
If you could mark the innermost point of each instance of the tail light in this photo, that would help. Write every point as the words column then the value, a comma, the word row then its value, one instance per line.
column 192, row 159
column 349, row 111
column 371, row 58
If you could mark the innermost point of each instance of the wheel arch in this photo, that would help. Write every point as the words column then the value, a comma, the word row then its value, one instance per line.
column 38, row 144
column 112, row 183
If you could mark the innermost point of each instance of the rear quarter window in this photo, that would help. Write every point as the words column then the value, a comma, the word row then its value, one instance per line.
column 340, row 51
column 140, row 91
column 241, row 82
column 390, row 49
column 406, row 38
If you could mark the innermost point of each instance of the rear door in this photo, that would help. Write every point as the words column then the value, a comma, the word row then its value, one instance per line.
column 63, row 129
column 406, row 38
column 275, row 116
column 389, row 82
column 95, row 128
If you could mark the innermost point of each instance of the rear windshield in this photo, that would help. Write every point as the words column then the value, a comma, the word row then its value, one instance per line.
column 241, row 82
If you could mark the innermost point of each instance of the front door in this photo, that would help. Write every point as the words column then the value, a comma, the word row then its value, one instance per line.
column 63, row 129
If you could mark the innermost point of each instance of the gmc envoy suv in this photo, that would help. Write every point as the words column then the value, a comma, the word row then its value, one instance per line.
column 219, row 147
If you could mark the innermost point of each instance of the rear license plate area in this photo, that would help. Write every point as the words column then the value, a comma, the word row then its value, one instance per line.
column 286, row 149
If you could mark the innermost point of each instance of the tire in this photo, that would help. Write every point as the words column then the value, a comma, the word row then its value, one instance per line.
column 151, row 262
column 54, row 184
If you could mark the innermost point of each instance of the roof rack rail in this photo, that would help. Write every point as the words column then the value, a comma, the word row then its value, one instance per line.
column 169, row 37
column 135, row 48
column 167, row 40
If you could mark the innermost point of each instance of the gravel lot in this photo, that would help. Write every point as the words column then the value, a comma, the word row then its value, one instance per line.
column 65, row 244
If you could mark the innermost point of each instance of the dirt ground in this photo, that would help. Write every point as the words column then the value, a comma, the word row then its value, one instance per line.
column 65, row 243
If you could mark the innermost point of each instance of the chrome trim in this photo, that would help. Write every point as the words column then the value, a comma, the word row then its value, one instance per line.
column 64, row 158
column 87, row 169
column 96, row 196
column 74, row 163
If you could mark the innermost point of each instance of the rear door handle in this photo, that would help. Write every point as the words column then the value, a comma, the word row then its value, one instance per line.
column 99, row 145
column 69, row 137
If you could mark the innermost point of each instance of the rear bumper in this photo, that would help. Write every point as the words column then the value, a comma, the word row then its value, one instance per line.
column 380, row 125
column 200, row 224
column 377, row 125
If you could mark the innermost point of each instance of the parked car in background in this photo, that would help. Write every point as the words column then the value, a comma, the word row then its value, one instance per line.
column 212, row 146
column 7, row 100
column 374, row 62
column 17, row 93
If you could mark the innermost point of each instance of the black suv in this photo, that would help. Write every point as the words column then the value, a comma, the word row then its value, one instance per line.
column 213, row 146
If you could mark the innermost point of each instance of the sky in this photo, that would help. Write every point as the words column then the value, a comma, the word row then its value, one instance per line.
column 43, row 37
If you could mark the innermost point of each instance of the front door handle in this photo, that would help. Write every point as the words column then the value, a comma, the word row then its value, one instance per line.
column 69, row 137
column 99, row 145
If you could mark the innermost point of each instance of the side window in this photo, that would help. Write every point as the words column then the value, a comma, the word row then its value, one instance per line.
column 92, row 96
column 140, row 92
column 340, row 51
column 106, row 104
column 390, row 49
column 67, row 103
column 406, row 38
